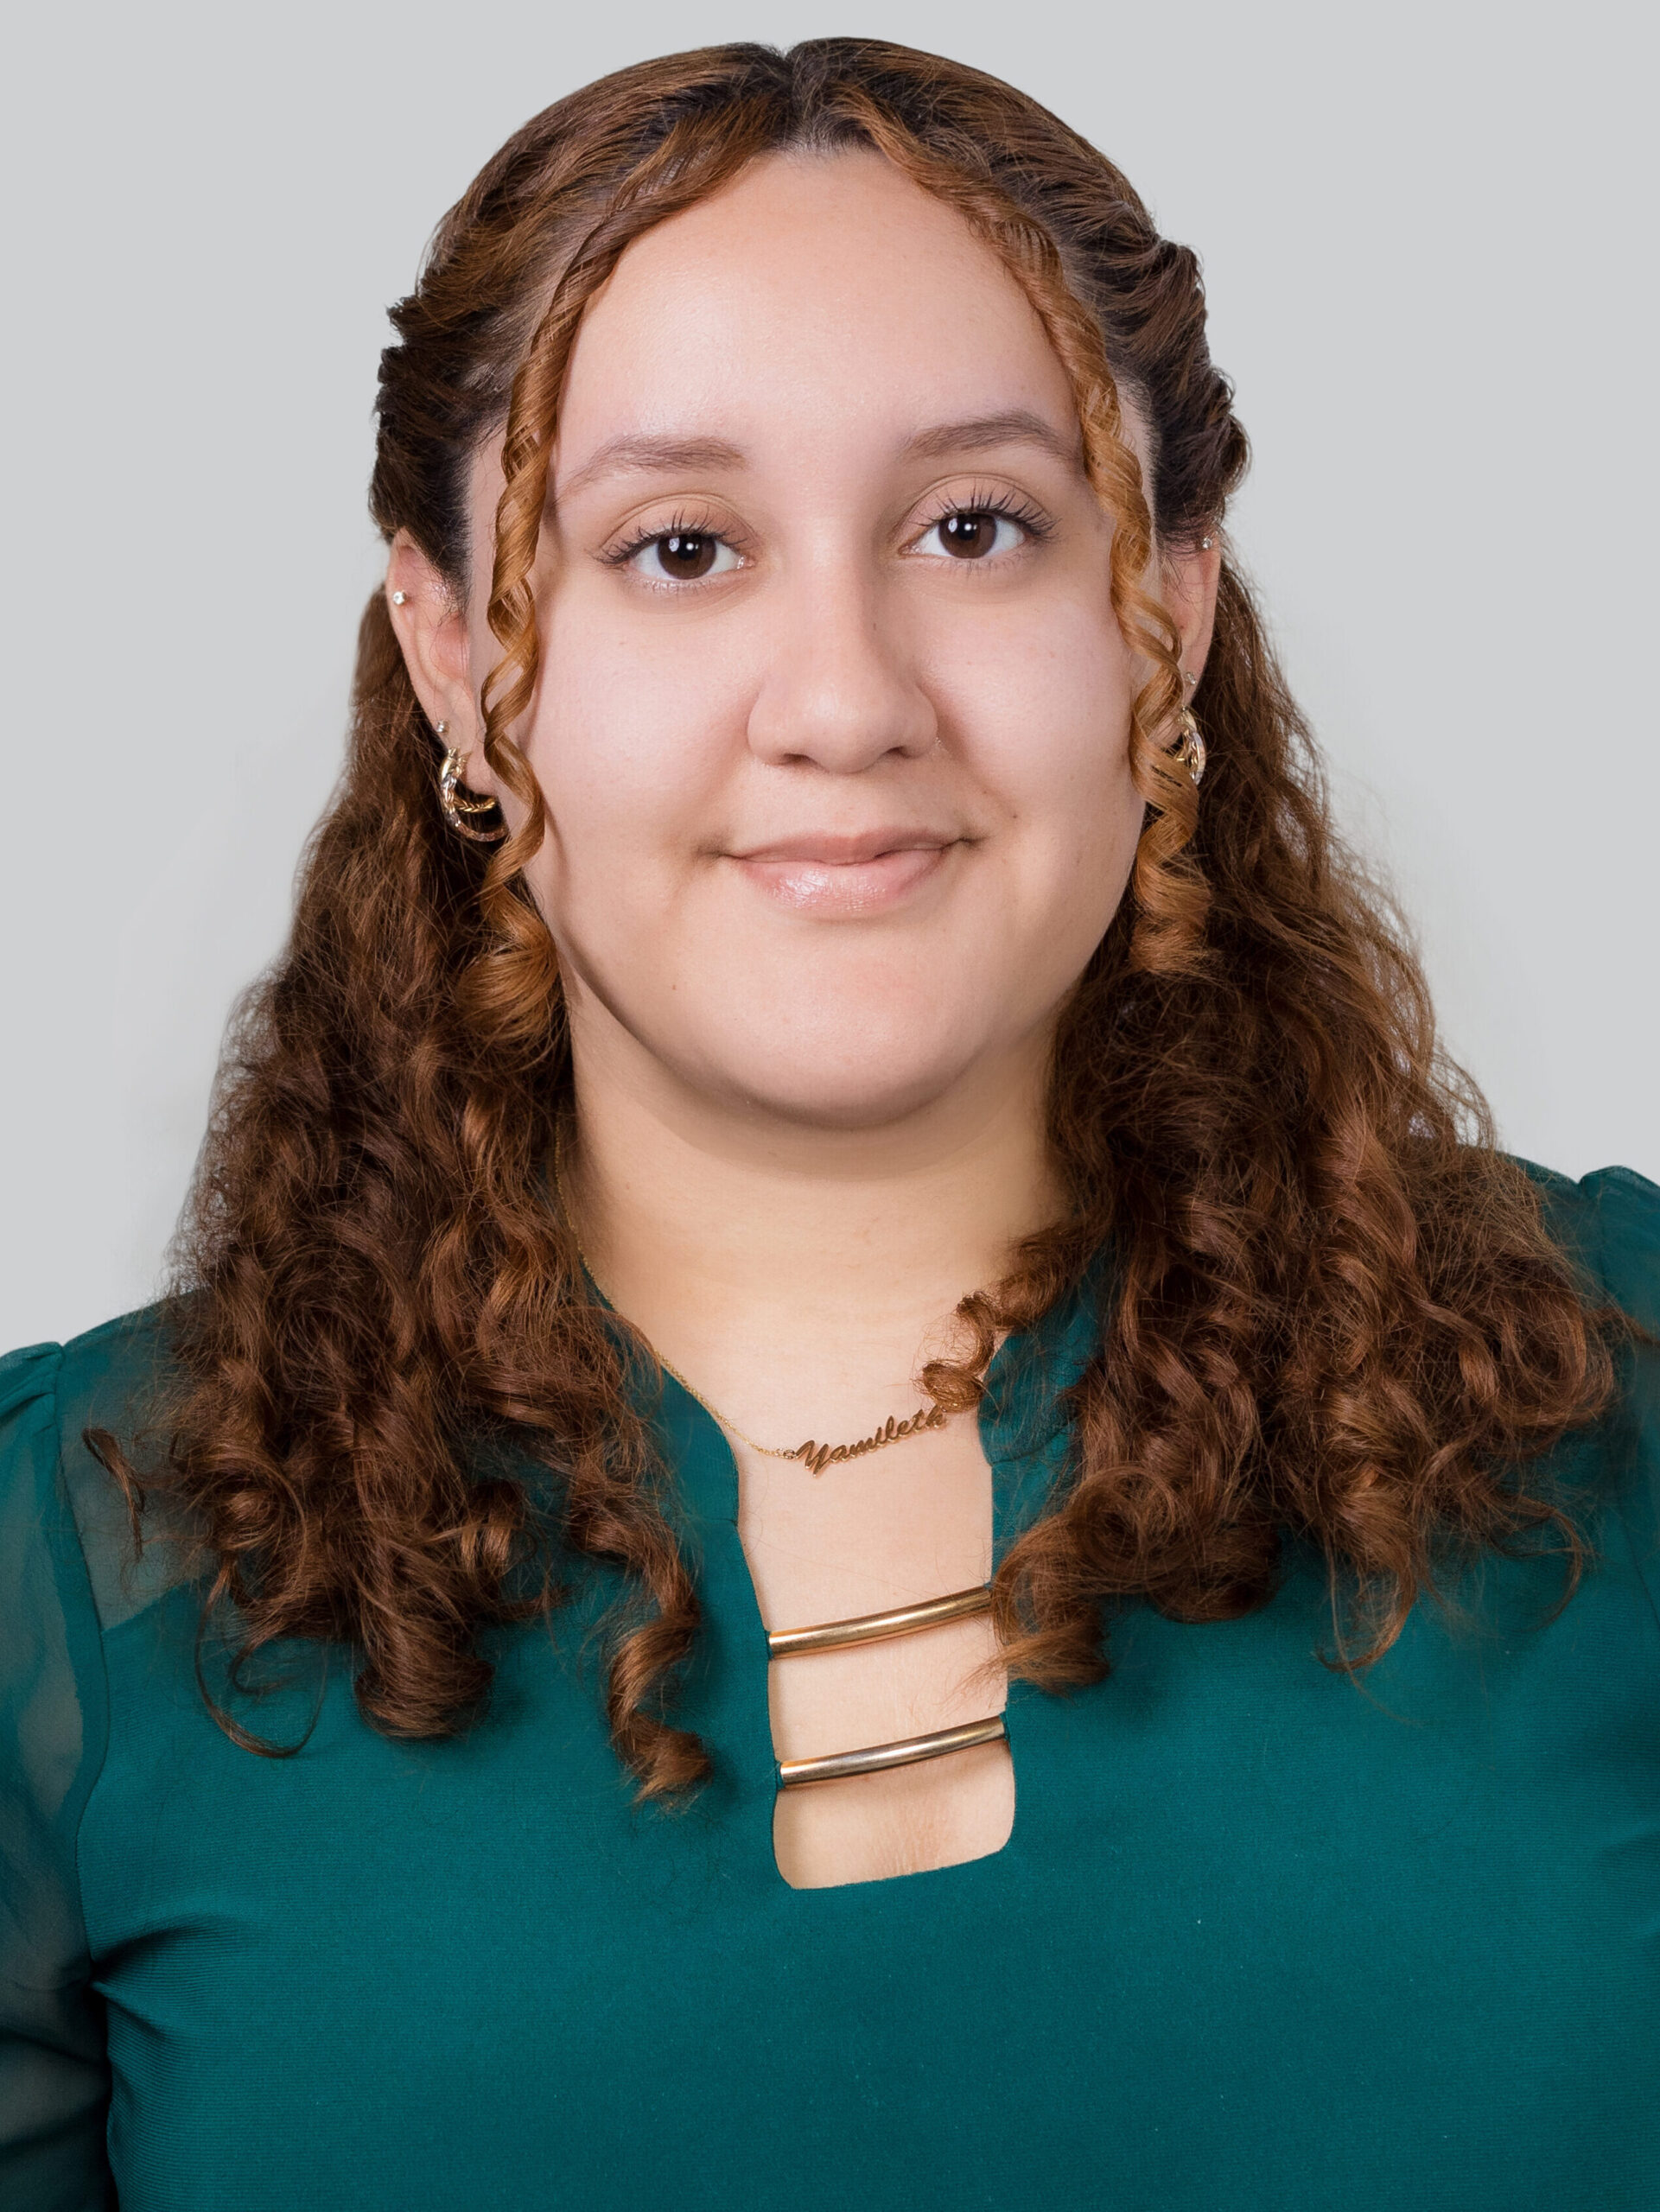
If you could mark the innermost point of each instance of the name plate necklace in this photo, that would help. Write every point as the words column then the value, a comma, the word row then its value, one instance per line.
column 814, row 1456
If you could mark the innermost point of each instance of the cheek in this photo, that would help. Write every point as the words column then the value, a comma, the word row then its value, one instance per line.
column 1041, row 712
column 631, row 739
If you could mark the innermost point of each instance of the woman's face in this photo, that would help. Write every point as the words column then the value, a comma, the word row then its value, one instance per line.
column 833, row 713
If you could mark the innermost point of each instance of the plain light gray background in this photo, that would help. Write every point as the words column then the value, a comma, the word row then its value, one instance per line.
column 1428, row 239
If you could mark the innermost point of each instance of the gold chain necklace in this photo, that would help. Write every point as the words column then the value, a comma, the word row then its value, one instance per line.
column 817, row 1456
column 812, row 1455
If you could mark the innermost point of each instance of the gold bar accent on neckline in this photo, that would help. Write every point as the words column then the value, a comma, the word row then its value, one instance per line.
column 791, row 1773
column 871, row 1628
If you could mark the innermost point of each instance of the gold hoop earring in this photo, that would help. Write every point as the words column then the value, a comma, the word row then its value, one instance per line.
column 1190, row 751
column 459, row 804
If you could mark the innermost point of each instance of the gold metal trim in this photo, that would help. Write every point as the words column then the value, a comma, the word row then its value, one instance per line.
column 791, row 1773
column 871, row 1628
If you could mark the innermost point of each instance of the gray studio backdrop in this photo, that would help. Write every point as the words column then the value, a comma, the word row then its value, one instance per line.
column 1427, row 234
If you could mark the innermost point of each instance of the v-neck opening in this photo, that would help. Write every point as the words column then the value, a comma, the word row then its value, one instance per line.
column 1022, row 1425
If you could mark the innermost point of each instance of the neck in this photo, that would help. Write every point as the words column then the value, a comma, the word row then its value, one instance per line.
column 775, row 1261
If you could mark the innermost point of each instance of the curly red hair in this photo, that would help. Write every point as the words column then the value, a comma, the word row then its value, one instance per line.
column 1337, row 1313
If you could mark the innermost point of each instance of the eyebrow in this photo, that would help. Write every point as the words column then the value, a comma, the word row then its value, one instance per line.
column 639, row 454
column 635, row 454
column 1016, row 426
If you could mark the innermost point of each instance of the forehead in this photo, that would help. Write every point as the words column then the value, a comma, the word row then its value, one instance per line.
column 819, row 294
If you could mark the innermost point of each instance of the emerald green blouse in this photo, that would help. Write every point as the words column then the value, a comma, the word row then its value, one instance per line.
column 1261, row 1937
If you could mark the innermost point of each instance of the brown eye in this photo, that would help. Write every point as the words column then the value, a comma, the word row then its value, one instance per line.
column 684, row 556
column 969, row 536
column 971, row 533
column 687, row 553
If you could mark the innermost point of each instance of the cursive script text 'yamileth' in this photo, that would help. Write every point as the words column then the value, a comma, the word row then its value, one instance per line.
column 820, row 1456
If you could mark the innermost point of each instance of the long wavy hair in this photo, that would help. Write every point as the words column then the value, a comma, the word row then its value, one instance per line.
column 1337, row 1312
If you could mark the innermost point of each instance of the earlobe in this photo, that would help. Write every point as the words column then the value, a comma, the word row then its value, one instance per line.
column 431, row 631
column 1192, row 579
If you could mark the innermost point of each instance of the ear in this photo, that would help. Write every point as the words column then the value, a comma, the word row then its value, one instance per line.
column 430, row 626
column 1190, row 576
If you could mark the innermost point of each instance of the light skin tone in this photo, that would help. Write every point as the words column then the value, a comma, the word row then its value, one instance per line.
column 832, row 725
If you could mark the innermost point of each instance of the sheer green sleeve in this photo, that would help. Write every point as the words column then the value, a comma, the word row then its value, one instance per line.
column 1609, row 1221
column 1626, row 1207
column 54, row 1723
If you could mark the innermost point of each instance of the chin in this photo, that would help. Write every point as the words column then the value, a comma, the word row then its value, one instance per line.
column 855, row 1100
column 863, row 1074
column 860, row 1052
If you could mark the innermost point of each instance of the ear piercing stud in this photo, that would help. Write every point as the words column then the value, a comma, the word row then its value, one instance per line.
column 399, row 597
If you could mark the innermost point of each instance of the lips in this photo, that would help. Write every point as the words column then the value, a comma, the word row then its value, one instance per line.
column 847, row 875
column 849, row 849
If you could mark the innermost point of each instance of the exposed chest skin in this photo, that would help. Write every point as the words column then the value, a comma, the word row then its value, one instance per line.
column 909, row 1522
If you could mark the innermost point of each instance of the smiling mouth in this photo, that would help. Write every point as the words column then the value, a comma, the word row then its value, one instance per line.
column 836, row 876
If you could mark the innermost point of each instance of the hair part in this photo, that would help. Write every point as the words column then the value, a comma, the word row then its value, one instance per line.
column 1337, row 1312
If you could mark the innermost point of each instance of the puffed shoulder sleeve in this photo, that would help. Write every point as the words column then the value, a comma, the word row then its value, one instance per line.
column 1627, row 1210
column 1610, row 1222
column 54, row 1722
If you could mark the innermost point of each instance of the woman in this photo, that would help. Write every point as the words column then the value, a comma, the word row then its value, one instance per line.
column 830, row 917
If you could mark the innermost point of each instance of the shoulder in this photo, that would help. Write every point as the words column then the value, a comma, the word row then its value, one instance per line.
column 115, row 1378
column 30, row 1504
column 106, row 1367
column 1609, row 1223
column 119, row 1378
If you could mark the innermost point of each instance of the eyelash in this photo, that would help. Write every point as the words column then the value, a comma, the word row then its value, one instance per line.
column 691, row 525
column 1030, row 518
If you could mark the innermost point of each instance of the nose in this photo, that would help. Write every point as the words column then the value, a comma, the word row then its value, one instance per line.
column 839, row 689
